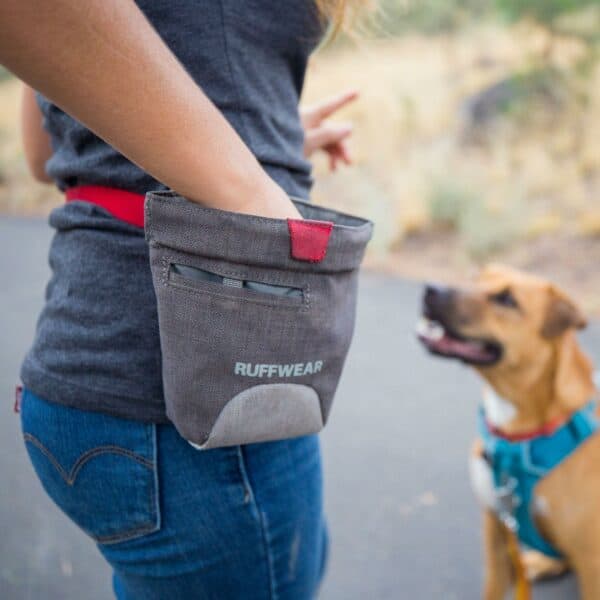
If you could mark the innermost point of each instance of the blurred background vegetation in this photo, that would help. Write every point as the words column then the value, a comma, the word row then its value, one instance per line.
column 477, row 137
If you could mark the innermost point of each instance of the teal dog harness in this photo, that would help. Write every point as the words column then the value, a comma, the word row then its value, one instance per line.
column 517, row 467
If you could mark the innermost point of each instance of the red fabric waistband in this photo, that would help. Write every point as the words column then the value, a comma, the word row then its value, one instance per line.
column 123, row 205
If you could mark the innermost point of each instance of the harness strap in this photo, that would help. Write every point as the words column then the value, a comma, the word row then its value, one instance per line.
column 121, row 204
column 518, row 466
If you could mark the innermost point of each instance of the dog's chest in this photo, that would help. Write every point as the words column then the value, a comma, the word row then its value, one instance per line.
column 498, row 412
column 482, row 482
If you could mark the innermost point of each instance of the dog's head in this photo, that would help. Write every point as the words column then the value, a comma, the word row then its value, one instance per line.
column 505, row 319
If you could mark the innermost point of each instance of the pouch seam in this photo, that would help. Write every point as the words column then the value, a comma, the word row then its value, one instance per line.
column 243, row 275
column 294, row 265
column 181, row 286
column 243, row 272
column 164, row 196
column 275, row 301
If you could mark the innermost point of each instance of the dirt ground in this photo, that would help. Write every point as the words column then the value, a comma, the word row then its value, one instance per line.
column 570, row 261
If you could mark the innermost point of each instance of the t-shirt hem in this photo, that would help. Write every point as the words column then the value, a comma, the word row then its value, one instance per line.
column 68, row 393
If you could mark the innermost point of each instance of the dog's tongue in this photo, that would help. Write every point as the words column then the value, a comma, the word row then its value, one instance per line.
column 436, row 338
column 462, row 348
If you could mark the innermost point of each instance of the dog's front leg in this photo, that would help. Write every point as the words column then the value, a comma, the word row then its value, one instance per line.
column 588, row 575
column 499, row 575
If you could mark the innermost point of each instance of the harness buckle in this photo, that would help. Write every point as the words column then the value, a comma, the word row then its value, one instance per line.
column 507, row 501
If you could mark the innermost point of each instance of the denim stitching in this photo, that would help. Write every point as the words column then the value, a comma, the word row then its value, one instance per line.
column 155, row 487
column 151, row 525
column 154, row 523
column 70, row 477
column 267, row 542
column 262, row 522
column 248, row 492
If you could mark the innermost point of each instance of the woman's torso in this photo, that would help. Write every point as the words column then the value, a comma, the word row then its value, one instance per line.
column 248, row 56
column 97, row 344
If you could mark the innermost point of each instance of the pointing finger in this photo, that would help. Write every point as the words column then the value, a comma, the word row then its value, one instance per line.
column 316, row 113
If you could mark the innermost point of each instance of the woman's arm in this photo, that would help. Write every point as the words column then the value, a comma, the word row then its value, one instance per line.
column 36, row 141
column 103, row 63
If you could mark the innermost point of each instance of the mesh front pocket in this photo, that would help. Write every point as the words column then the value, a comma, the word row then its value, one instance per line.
column 253, row 339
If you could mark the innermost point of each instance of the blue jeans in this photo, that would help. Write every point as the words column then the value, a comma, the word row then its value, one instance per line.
column 244, row 522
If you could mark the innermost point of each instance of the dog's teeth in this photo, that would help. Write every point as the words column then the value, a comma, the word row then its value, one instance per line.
column 423, row 326
column 436, row 331
column 430, row 329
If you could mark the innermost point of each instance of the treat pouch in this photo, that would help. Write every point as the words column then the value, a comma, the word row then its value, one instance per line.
column 255, row 315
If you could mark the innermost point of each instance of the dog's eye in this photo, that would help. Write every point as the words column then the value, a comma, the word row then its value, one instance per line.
column 504, row 298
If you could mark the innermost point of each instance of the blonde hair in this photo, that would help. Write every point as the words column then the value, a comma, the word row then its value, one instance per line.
column 339, row 13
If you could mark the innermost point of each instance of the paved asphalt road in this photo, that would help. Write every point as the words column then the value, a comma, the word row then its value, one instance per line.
column 404, row 524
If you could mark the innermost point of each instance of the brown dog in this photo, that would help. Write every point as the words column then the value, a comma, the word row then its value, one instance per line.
column 518, row 332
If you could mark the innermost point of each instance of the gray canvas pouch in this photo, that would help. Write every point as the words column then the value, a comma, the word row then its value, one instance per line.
column 256, row 316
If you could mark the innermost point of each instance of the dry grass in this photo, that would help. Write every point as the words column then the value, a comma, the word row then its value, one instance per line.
column 524, row 190
column 408, row 131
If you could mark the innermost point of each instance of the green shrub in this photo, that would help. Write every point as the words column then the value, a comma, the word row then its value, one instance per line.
column 447, row 203
column 482, row 230
column 430, row 16
column 544, row 11
column 439, row 16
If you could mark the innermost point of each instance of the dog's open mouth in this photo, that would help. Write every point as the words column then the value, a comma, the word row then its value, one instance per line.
column 440, row 340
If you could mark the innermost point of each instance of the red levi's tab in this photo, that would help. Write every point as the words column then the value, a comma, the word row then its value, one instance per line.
column 121, row 204
column 18, row 398
column 309, row 239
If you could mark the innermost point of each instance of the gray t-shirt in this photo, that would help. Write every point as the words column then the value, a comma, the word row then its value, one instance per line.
column 96, row 345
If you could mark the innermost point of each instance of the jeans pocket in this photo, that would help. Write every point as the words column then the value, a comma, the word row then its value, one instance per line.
column 99, row 470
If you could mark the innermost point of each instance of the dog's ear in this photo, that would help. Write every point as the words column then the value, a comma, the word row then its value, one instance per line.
column 561, row 314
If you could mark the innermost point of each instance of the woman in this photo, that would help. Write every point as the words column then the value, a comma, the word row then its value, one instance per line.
column 240, row 522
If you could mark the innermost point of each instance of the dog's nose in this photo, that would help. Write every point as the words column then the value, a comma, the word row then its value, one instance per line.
column 436, row 296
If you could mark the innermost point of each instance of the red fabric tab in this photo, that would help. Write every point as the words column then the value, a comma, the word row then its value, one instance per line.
column 123, row 205
column 309, row 239
column 18, row 396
